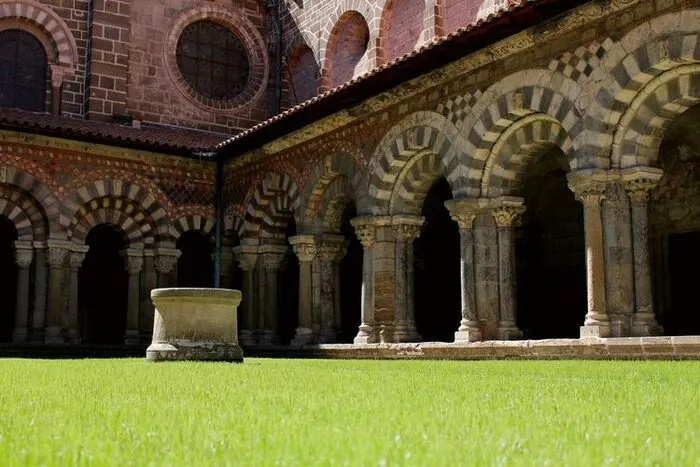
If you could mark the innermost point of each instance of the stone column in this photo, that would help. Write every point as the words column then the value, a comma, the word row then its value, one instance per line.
column 247, row 257
column 133, row 262
column 271, row 258
column 331, row 249
column 40, row 282
column 227, row 267
column 507, row 215
column 464, row 212
column 75, row 260
column 639, row 183
column 165, row 262
column 24, row 254
column 365, row 232
column 305, row 248
column 56, row 259
column 590, row 188
column 57, row 74
column 406, row 230
column 149, row 281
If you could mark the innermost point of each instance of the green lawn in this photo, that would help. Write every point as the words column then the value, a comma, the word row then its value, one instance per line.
column 312, row 412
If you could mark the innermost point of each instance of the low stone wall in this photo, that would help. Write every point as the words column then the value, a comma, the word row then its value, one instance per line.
column 624, row 348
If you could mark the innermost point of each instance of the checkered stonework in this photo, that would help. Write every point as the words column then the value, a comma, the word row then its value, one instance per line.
column 582, row 61
column 456, row 108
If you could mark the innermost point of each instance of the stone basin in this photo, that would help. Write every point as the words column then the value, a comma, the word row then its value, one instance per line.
column 195, row 324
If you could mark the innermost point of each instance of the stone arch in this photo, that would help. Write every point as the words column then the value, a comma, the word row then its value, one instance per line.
column 125, row 191
column 337, row 166
column 335, row 198
column 417, row 177
column 49, row 28
column 515, row 147
column 40, row 194
column 511, row 99
column 192, row 222
column 24, row 212
column 641, row 68
column 274, row 201
column 347, row 49
column 369, row 11
column 130, row 216
column 400, row 29
column 416, row 133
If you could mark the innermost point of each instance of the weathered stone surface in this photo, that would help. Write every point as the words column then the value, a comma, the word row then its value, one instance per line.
column 195, row 324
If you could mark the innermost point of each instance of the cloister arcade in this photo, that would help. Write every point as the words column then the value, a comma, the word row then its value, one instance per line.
column 545, row 205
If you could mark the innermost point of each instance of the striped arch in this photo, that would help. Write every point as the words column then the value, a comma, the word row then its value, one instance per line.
column 56, row 35
column 414, row 135
column 417, row 177
column 191, row 222
column 511, row 100
column 269, row 209
column 639, row 60
column 38, row 193
column 517, row 145
column 24, row 212
column 117, row 189
column 337, row 166
column 130, row 216
column 335, row 198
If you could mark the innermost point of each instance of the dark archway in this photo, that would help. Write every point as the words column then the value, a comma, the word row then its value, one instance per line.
column 437, row 278
column 195, row 267
column 288, row 290
column 8, row 278
column 103, row 287
column 550, row 253
column 350, row 279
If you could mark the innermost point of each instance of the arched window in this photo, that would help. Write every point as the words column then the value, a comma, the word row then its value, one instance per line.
column 23, row 74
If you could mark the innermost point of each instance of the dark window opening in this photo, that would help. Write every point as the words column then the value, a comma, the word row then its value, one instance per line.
column 23, row 71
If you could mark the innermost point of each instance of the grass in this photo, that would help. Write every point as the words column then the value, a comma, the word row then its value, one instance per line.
column 306, row 412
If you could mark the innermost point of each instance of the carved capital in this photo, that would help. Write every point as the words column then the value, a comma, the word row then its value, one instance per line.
column 306, row 252
column 134, row 264
column 76, row 259
column 639, row 181
column 271, row 261
column 465, row 211
column 58, row 72
column 165, row 264
column 507, row 216
column 24, row 257
column 56, row 256
column 332, row 251
column 406, row 233
column 590, row 187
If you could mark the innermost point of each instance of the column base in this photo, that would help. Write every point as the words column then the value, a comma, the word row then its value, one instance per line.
column 131, row 337
column 406, row 332
column 508, row 331
column 302, row 337
column 268, row 337
column 645, row 325
column 595, row 331
column 386, row 334
column 366, row 335
column 472, row 335
column 246, row 338
column 327, row 336
column 617, row 325
column 53, row 336
column 20, row 336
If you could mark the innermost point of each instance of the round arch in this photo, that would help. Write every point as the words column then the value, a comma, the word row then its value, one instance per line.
column 274, row 200
column 24, row 212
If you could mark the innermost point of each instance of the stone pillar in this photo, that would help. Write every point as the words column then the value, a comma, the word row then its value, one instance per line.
column 639, row 183
column 165, row 262
column 590, row 188
column 305, row 248
column 133, row 262
column 406, row 230
column 271, row 257
column 40, row 290
column 24, row 254
column 464, row 212
column 149, row 281
column 247, row 257
column 365, row 232
column 332, row 249
column 57, row 74
column 507, row 215
column 56, row 259
column 384, row 278
column 75, row 260
column 227, row 267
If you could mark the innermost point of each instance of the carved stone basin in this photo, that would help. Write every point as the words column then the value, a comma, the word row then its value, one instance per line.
column 195, row 324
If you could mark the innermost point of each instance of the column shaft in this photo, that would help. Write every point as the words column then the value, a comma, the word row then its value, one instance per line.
column 40, row 291
column 507, row 216
column 57, row 256
column 23, row 258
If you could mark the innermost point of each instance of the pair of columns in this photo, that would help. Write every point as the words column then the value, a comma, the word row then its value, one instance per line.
column 261, row 267
column 319, row 287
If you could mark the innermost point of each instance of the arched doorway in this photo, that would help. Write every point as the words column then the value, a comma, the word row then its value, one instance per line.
column 103, row 287
column 437, row 278
column 350, row 279
column 550, row 252
column 674, row 219
column 8, row 278
column 195, row 267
